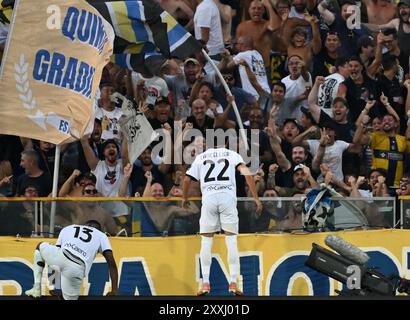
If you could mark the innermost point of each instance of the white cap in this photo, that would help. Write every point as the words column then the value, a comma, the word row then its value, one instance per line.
column 299, row 166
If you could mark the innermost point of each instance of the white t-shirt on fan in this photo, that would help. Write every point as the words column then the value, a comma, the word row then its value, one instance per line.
column 108, row 178
column 207, row 16
column 333, row 157
column 110, row 123
column 155, row 85
column 289, row 109
column 256, row 64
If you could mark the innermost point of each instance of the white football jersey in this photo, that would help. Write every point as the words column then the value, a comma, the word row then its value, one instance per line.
column 215, row 169
column 84, row 242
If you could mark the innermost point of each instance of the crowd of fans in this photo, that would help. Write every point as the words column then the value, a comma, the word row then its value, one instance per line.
column 330, row 98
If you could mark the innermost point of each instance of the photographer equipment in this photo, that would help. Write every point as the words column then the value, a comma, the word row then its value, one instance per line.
column 403, row 285
column 346, row 249
column 335, row 266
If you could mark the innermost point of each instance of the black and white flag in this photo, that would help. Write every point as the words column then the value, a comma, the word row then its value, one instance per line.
column 136, row 127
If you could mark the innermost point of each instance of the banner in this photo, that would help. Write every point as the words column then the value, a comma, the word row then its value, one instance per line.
column 145, row 34
column 51, row 69
column 136, row 127
column 270, row 264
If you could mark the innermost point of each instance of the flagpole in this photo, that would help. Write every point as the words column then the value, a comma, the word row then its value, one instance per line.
column 54, row 192
column 228, row 91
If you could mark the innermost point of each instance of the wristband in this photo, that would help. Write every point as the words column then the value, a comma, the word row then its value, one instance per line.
column 322, row 145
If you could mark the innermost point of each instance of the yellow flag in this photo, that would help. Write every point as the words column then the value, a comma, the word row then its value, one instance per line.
column 51, row 69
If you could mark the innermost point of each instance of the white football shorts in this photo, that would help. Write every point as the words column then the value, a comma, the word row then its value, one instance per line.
column 218, row 212
column 72, row 273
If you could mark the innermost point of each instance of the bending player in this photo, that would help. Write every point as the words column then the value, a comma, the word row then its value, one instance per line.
column 73, row 256
column 215, row 169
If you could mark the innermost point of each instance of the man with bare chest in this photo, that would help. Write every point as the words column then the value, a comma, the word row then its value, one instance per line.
column 380, row 11
column 180, row 11
column 260, row 29
column 402, row 26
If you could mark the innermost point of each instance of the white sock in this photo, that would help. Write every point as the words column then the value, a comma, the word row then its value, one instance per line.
column 233, row 257
column 206, row 257
column 38, row 267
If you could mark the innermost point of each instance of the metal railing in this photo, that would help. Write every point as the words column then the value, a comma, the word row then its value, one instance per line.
column 165, row 217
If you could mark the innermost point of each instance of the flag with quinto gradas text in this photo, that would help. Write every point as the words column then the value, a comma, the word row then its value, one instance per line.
column 51, row 69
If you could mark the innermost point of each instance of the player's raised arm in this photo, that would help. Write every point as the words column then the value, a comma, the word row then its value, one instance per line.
column 243, row 169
